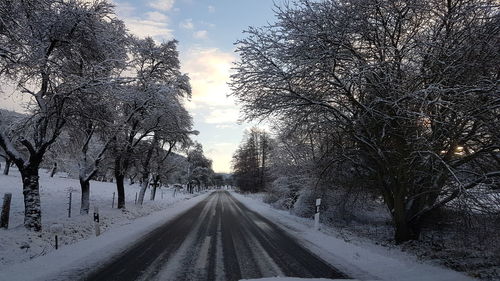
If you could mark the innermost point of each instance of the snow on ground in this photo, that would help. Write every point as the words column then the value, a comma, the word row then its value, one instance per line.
column 19, row 245
column 360, row 258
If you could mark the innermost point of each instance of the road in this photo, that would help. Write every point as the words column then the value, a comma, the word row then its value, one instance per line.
column 217, row 239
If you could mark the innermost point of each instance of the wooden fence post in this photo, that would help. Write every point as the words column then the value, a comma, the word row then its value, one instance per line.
column 4, row 218
column 69, row 205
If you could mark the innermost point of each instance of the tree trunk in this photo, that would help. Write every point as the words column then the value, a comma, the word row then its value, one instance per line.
column 120, row 168
column 85, row 202
column 31, row 192
column 6, row 169
column 144, row 186
column 54, row 170
column 153, row 192
column 120, row 188
column 404, row 229
column 156, row 181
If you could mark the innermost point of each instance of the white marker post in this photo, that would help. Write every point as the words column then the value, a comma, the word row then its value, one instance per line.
column 96, row 221
column 316, row 216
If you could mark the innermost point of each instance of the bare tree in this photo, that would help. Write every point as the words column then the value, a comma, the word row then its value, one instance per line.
column 409, row 86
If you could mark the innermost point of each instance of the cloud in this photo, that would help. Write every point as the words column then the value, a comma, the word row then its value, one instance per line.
column 156, row 16
column 222, row 154
column 187, row 24
column 143, row 28
column 154, row 24
column 207, row 24
column 225, row 126
column 200, row 34
column 222, row 116
column 123, row 9
column 162, row 5
column 211, row 9
column 209, row 70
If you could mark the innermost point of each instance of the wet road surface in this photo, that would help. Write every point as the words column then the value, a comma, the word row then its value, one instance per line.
column 217, row 239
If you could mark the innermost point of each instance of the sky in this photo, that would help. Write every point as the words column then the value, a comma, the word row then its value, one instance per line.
column 206, row 31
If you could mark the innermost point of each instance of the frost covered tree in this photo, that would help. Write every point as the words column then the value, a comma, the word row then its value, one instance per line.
column 93, row 126
column 91, row 134
column 52, row 50
column 152, row 105
column 154, row 163
column 411, row 88
column 199, row 167
column 250, row 161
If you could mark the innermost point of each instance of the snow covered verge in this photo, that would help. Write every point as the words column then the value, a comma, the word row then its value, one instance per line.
column 358, row 257
column 23, row 252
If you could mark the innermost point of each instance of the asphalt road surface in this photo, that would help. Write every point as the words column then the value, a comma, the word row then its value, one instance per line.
column 217, row 239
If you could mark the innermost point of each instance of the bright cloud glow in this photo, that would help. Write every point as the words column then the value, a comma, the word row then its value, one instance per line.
column 222, row 116
column 223, row 153
column 209, row 70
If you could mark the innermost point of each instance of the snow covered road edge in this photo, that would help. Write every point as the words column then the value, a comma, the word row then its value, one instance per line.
column 91, row 253
column 360, row 259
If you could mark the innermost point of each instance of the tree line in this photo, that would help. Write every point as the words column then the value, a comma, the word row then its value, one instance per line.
column 98, row 97
column 396, row 98
column 250, row 161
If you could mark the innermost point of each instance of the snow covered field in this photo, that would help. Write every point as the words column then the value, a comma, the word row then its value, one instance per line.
column 18, row 245
column 358, row 257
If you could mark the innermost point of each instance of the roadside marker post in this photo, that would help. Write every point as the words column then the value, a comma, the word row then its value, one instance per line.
column 96, row 221
column 316, row 215
column 113, row 202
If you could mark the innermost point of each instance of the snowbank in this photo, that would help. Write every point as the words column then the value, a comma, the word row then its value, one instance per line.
column 119, row 228
column 357, row 257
